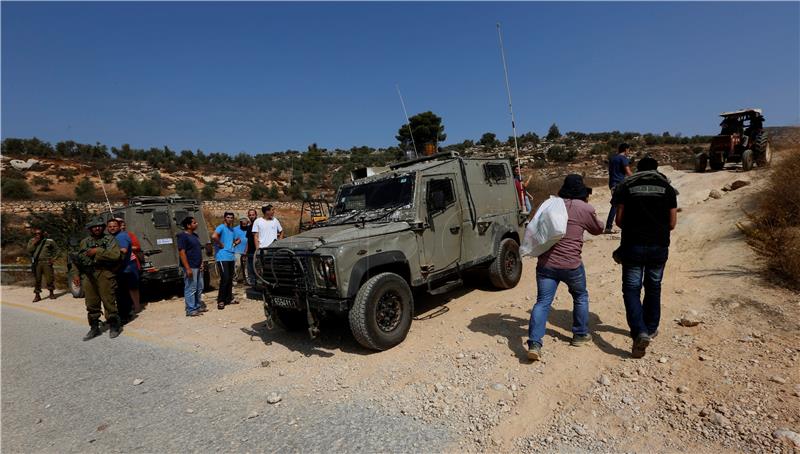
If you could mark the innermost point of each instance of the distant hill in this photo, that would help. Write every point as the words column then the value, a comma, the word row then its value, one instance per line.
column 784, row 136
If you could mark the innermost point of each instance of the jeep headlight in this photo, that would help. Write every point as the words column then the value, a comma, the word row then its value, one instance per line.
column 324, row 271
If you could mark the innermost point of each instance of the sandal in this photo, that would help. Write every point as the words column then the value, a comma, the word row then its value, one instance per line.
column 220, row 305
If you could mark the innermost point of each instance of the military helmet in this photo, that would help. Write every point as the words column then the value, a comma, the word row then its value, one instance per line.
column 95, row 222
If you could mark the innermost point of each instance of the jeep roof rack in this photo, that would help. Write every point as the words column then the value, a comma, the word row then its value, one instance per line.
column 442, row 155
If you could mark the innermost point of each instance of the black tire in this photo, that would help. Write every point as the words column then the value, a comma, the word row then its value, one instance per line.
column 700, row 162
column 289, row 320
column 716, row 162
column 381, row 314
column 762, row 149
column 506, row 269
column 77, row 291
column 747, row 160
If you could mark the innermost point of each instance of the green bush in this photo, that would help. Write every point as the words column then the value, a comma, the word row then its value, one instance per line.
column 259, row 191
column 133, row 188
column 85, row 190
column 186, row 188
column 42, row 182
column 557, row 153
column 209, row 191
column 12, row 188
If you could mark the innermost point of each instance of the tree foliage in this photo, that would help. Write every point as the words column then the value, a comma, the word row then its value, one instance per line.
column 15, row 189
column 426, row 127
column 186, row 188
column 553, row 133
column 85, row 190
column 488, row 140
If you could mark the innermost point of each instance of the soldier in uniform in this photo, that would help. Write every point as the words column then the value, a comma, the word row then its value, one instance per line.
column 43, row 251
column 98, row 260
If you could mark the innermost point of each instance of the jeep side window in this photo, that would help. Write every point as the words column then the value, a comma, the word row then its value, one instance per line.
column 180, row 215
column 161, row 219
column 440, row 195
column 495, row 173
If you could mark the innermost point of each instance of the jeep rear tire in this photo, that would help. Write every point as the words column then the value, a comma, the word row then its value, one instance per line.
column 381, row 314
column 506, row 269
column 747, row 160
column 289, row 320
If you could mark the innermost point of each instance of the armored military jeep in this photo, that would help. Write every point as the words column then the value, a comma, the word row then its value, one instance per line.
column 418, row 225
column 156, row 222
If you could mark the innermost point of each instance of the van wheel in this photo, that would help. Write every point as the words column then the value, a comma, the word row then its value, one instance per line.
column 289, row 320
column 381, row 314
column 506, row 269
column 76, row 290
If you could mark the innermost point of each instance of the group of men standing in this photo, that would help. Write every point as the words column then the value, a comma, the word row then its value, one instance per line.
column 235, row 247
column 108, row 264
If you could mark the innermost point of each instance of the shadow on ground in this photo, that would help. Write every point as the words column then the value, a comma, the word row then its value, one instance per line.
column 515, row 330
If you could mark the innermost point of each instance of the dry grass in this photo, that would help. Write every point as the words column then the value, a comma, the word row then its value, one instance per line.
column 775, row 227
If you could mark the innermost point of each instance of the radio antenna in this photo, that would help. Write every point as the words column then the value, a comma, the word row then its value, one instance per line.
column 408, row 121
column 105, row 193
column 510, row 106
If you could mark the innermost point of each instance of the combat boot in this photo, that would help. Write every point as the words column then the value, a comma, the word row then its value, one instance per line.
column 37, row 298
column 52, row 295
column 94, row 330
column 115, row 327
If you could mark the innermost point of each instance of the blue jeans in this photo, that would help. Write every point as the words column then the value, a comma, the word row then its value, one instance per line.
column 643, row 266
column 547, row 280
column 193, row 290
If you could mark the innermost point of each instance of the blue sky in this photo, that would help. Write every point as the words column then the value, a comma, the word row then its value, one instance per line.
column 264, row 77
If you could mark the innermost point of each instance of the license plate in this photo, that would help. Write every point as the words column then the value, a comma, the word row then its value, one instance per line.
column 282, row 301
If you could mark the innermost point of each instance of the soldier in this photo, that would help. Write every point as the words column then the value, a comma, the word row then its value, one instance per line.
column 98, row 259
column 43, row 251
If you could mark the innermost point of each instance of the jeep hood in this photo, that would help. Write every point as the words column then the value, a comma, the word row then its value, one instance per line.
column 337, row 234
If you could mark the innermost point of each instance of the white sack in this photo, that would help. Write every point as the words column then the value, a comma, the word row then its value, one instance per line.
column 548, row 225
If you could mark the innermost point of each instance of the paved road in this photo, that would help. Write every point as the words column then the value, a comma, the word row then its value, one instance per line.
column 60, row 394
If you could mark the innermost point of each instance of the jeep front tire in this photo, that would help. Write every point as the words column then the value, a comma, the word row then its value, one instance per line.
column 381, row 314
column 506, row 269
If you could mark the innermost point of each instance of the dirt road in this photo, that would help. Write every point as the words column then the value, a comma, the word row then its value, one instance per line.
column 726, row 385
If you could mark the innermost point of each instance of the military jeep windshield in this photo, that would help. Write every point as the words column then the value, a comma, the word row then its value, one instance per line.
column 374, row 200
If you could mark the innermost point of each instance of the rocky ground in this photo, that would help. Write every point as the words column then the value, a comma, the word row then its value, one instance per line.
column 723, row 375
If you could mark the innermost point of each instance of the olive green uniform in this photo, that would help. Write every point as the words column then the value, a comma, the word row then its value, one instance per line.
column 97, row 275
column 42, row 255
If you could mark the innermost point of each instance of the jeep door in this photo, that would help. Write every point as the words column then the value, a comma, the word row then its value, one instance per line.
column 441, row 209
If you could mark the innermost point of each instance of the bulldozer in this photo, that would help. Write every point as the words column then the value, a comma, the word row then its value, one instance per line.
column 741, row 139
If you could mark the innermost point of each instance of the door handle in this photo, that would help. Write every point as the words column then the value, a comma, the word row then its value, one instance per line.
column 455, row 229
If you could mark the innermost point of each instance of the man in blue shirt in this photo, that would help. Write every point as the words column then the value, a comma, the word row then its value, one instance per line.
column 224, row 238
column 190, row 251
column 240, row 251
column 619, row 167
column 127, row 275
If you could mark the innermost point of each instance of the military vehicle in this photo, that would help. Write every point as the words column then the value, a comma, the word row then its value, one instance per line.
column 156, row 222
column 742, row 139
column 418, row 225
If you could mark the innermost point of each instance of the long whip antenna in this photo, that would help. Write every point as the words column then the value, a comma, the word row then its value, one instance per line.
column 510, row 106
column 108, row 202
column 408, row 121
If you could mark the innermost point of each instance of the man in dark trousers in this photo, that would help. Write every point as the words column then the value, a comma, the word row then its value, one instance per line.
column 647, row 211
column 619, row 167
column 251, row 247
column 225, row 240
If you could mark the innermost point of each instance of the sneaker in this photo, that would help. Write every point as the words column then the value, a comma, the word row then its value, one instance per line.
column 580, row 339
column 193, row 313
column 534, row 352
column 640, row 345
column 203, row 308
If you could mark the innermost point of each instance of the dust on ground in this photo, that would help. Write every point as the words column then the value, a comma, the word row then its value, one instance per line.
column 731, row 383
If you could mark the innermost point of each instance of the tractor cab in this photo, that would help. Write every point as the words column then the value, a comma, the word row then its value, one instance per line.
column 742, row 138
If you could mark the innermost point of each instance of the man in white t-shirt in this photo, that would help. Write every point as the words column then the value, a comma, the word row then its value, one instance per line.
column 266, row 229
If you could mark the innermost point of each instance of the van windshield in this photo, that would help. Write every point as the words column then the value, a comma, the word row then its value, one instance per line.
column 379, row 195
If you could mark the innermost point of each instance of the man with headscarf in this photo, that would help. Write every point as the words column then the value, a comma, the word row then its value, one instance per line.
column 563, row 263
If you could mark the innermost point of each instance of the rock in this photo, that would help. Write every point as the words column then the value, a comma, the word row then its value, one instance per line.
column 704, row 358
column 604, row 380
column 715, row 194
column 460, row 356
column 689, row 321
column 579, row 430
column 438, row 387
column 498, row 387
column 189, row 410
column 253, row 414
column 663, row 360
column 501, row 340
column 39, row 421
column 265, row 363
column 220, row 389
column 788, row 435
column 138, row 382
column 679, row 291
column 796, row 392
column 720, row 420
column 274, row 398
column 777, row 379
column 549, row 440
column 683, row 390
column 627, row 400
column 738, row 184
